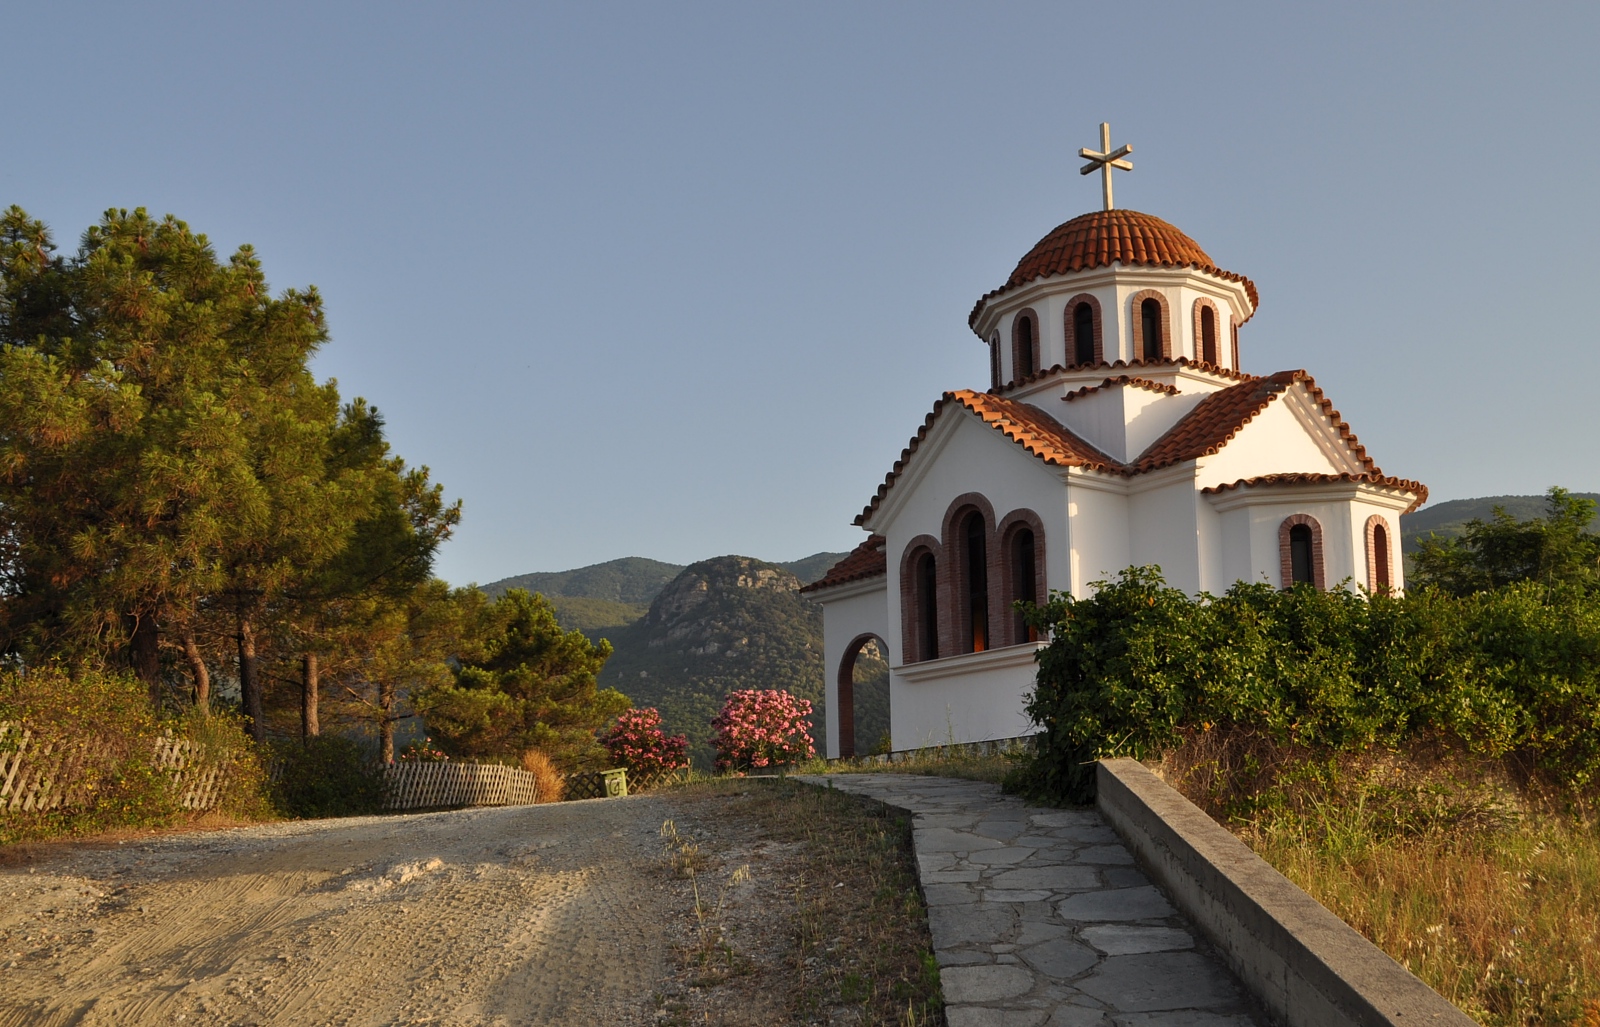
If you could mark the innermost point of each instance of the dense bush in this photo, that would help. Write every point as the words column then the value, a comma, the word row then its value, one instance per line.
column 637, row 744
column 760, row 728
column 101, row 733
column 328, row 776
column 1132, row 669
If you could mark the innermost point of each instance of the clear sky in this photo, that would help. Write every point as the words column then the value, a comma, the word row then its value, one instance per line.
column 676, row 280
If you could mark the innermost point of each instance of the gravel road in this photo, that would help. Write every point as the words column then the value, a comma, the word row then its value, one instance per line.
column 551, row 914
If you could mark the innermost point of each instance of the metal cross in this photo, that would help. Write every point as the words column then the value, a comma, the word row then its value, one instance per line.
column 1105, row 160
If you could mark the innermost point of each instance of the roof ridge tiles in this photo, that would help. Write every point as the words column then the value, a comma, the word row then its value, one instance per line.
column 1374, row 477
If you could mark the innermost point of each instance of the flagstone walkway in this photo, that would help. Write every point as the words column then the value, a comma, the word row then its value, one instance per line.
column 1040, row 918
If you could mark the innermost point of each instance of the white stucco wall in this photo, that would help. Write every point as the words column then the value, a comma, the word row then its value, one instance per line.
column 848, row 612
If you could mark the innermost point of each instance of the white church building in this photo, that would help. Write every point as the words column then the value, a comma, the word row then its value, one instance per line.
column 1118, row 429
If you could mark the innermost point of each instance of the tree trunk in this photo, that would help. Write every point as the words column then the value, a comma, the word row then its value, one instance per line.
column 144, row 654
column 386, row 725
column 250, row 681
column 197, row 668
column 310, row 724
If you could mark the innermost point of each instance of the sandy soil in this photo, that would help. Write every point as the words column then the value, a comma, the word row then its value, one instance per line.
column 553, row 914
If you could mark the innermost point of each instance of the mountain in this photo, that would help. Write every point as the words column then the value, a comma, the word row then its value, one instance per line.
column 602, row 597
column 727, row 623
column 1449, row 519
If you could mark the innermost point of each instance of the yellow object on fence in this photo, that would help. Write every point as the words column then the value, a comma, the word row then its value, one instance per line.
column 431, row 785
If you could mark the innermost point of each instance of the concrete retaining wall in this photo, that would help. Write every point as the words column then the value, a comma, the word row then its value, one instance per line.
column 1308, row 967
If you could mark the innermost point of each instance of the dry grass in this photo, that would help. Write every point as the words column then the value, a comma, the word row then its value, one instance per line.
column 849, row 942
column 1482, row 883
column 935, row 762
column 548, row 780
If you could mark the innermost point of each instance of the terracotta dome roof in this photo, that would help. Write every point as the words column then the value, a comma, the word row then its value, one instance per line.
column 1106, row 237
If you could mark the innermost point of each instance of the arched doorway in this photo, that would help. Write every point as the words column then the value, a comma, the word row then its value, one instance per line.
column 864, row 697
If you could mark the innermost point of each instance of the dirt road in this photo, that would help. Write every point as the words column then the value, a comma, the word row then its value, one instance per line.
column 533, row 915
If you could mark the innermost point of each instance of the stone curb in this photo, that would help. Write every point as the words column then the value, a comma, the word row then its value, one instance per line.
column 1308, row 967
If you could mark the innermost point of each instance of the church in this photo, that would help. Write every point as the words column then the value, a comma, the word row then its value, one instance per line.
column 1119, row 429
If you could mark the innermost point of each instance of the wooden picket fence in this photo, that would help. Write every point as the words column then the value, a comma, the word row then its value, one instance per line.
column 44, row 775
column 436, row 785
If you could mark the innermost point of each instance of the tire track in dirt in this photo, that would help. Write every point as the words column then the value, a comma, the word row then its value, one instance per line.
column 480, row 918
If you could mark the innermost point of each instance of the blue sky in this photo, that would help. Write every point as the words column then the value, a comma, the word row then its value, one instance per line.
column 681, row 280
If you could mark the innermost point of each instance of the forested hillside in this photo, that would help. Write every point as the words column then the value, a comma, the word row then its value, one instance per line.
column 723, row 624
column 1449, row 519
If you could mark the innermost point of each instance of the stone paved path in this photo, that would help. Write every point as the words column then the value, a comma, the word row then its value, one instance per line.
column 1040, row 919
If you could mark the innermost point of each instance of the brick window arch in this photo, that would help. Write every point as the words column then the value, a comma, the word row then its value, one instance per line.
column 1207, row 332
column 920, row 610
column 1380, row 554
column 846, row 693
column 994, row 361
column 1021, row 535
column 1024, row 345
column 1159, row 316
column 1234, row 331
column 968, row 576
column 1077, row 346
column 1300, row 552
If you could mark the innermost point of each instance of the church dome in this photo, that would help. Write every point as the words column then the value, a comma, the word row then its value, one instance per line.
column 1107, row 237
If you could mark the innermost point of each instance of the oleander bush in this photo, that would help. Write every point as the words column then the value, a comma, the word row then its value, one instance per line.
column 1136, row 669
column 638, row 745
column 761, row 728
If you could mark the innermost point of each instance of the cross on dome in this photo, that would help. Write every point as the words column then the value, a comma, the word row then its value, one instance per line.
column 1105, row 160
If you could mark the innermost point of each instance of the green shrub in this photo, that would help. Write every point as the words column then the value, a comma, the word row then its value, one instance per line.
column 104, row 731
column 1134, row 668
column 329, row 776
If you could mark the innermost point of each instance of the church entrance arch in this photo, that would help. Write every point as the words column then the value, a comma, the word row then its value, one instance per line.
column 864, row 696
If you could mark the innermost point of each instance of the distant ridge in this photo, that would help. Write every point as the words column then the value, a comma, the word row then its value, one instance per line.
column 1449, row 519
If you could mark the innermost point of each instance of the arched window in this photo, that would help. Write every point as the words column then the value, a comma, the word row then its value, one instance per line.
column 1024, row 582
column 1150, row 328
column 1208, row 334
column 1083, row 334
column 1235, row 331
column 927, row 589
column 994, row 362
column 1025, row 346
column 975, row 603
column 1300, row 552
column 1300, row 555
column 1380, row 564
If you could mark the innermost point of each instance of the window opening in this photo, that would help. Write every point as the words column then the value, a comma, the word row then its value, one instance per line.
column 1025, row 362
column 977, row 585
column 1083, row 334
column 1380, row 556
column 1208, row 335
column 1025, row 580
column 994, row 361
column 1150, row 315
column 1300, row 555
column 927, row 608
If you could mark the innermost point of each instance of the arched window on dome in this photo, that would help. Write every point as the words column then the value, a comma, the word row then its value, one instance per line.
column 1024, row 345
column 1083, row 334
column 1380, row 563
column 1300, row 552
column 975, row 576
column 1208, row 334
column 1150, row 328
column 994, row 361
column 1235, row 331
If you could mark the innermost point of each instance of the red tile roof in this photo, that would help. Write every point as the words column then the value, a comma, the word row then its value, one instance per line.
column 1220, row 416
column 1107, row 237
column 1022, row 423
column 1416, row 488
column 864, row 561
column 1122, row 379
column 1203, row 431
column 1165, row 362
